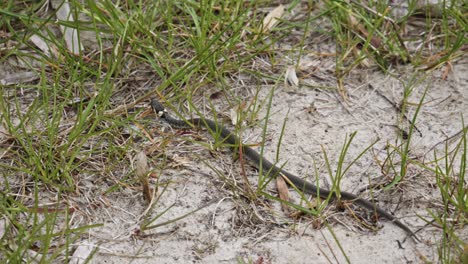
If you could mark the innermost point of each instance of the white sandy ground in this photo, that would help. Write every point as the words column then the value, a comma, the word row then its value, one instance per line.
column 230, row 230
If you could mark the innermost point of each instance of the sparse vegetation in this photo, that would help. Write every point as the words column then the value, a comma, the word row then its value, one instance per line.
column 72, row 117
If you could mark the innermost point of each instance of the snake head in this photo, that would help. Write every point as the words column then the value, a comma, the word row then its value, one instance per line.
column 158, row 107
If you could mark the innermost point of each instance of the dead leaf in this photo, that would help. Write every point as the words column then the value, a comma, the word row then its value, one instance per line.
column 271, row 19
column 18, row 77
column 374, row 41
column 283, row 192
column 142, row 172
column 82, row 253
column 70, row 34
column 290, row 78
column 234, row 116
column 43, row 45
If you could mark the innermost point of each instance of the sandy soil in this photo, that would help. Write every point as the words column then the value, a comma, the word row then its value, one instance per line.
column 231, row 229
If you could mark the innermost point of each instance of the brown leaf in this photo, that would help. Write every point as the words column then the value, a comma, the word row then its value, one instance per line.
column 283, row 192
column 374, row 41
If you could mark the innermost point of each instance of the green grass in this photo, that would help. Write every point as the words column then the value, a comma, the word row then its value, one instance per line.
column 450, row 172
column 181, row 51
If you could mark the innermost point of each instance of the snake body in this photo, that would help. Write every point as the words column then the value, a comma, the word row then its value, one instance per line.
column 229, row 138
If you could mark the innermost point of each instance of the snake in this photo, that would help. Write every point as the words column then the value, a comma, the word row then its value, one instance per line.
column 259, row 161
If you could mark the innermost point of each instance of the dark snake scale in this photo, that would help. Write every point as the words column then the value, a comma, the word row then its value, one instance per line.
column 229, row 138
